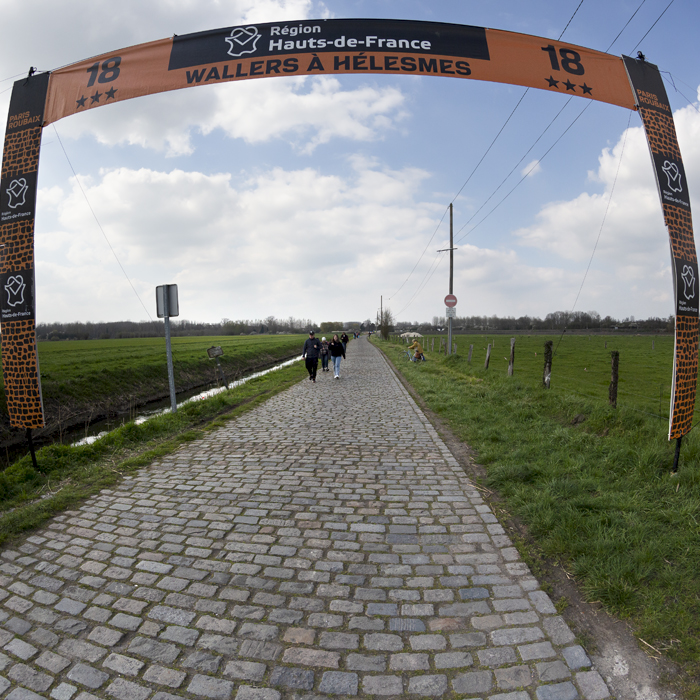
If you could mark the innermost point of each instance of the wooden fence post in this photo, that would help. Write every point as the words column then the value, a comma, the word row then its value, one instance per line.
column 488, row 356
column 547, row 376
column 471, row 350
column 432, row 345
column 612, row 392
column 512, row 357
column 454, row 348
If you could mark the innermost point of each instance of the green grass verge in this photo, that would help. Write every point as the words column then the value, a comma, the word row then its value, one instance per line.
column 71, row 474
column 592, row 484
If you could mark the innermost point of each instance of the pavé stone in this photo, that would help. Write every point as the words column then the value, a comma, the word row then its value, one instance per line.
column 339, row 683
column 64, row 691
column 409, row 662
column 382, row 685
column 576, row 658
column 311, row 657
column 180, row 635
column 383, row 642
column 159, row 675
column 126, row 690
column 87, row 676
column 293, row 678
column 557, row 691
column 156, row 651
column 429, row 686
column 124, row 665
column 245, row 670
column 362, row 662
column 29, row 678
column 513, row 677
column 592, row 685
column 453, row 659
column 52, row 662
column 246, row 692
column 548, row 671
column 23, row 694
column 473, row 683
column 211, row 688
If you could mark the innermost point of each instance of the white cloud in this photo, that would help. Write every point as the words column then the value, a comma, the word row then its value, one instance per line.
column 307, row 112
column 532, row 168
column 275, row 241
column 632, row 256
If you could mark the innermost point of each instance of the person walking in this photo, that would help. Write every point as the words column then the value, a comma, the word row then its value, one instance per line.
column 311, row 352
column 344, row 340
column 325, row 354
column 337, row 351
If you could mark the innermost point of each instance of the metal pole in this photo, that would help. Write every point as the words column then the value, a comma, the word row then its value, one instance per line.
column 31, row 448
column 452, row 253
column 169, row 350
column 677, row 455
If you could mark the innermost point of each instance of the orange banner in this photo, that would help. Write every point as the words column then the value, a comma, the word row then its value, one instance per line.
column 334, row 47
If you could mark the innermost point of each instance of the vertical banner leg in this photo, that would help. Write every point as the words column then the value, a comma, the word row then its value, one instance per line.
column 18, row 191
column 657, row 117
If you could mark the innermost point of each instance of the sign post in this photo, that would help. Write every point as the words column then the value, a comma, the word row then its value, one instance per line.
column 450, row 313
column 167, row 306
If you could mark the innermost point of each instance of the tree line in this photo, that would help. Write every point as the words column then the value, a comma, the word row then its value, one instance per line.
column 556, row 321
column 155, row 329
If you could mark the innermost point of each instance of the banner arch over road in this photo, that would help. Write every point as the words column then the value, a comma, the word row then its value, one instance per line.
column 323, row 47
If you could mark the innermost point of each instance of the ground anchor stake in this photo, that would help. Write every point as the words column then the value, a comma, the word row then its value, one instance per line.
column 31, row 448
column 676, row 457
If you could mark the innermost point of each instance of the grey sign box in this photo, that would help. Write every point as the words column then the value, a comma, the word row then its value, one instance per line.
column 214, row 352
column 173, row 308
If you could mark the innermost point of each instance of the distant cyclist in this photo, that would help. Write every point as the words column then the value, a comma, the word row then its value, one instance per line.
column 418, row 348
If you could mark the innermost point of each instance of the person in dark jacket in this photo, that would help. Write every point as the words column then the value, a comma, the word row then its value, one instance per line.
column 336, row 349
column 344, row 340
column 311, row 352
column 324, row 355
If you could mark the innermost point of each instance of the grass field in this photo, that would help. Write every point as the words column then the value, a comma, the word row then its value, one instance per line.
column 85, row 378
column 582, row 365
column 591, row 483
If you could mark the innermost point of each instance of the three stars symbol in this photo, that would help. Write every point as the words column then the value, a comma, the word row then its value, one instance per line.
column 569, row 85
column 95, row 99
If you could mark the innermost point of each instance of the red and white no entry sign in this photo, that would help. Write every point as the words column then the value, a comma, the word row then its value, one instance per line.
column 450, row 300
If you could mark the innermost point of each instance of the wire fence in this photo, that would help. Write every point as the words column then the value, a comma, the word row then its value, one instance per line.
column 581, row 365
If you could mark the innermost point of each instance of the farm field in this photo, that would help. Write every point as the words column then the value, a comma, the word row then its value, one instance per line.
column 582, row 365
column 592, row 485
column 83, row 379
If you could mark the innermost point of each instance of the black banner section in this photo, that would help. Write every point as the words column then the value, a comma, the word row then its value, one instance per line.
column 657, row 117
column 18, row 190
column 375, row 35
column 17, row 296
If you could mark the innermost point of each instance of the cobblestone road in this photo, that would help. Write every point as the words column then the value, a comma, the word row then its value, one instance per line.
column 326, row 544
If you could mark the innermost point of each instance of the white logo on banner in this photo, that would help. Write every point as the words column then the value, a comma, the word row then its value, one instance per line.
column 688, row 278
column 15, row 287
column 240, row 41
column 17, row 191
column 673, row 176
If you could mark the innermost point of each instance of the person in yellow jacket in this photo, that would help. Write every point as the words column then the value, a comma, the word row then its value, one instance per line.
column 418, row 348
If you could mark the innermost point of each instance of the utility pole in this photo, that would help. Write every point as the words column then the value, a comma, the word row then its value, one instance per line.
column 452, row 253
column 447, row 299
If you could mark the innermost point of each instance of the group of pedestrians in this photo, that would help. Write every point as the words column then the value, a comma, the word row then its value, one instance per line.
column 333, row 351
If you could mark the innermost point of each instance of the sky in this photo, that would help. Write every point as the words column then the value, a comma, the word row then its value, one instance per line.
column 325, row 197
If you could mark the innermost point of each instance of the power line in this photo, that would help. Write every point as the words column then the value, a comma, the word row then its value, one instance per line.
column 99, row 225
column 525, row 176
column 571, row 18
column 625, row 27
column 602, row 223
column 652, row 26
